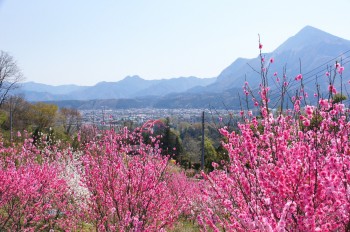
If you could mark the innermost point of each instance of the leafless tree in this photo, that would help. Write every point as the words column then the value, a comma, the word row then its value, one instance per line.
column 10, row 75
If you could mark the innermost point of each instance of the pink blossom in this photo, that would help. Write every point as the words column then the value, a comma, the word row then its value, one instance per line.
column 309, row 110
column 332, row 89
column 277, row 159
column 275, row 74
column 324, row 103
column 297, row 106
column 31, row 192
column 224, row 132
column 298, row 77
column 272, row 60
column 340, row 70
column 306, row 122
column 134, row 182
column 215, row 165
column 260, row 46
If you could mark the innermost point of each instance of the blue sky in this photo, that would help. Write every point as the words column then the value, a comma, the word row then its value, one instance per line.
column 84, row 41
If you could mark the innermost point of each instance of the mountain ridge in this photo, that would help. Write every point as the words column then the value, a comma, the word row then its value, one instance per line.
column 129, row 87
column 310, row 52
column 309, row 48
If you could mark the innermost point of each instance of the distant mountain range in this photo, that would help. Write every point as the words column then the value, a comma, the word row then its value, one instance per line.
column 129, row 87
column 309, row 52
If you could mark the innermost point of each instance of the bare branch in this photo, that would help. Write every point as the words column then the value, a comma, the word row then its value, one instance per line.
column 10, row 75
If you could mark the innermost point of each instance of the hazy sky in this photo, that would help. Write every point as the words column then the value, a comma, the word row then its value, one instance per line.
column 84, row 41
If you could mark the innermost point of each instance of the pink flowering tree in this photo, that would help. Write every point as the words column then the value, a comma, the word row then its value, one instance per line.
column 287, row 172
column 34, row 195
column 130, row 185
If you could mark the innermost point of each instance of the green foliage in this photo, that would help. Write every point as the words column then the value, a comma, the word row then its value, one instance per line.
column 3, row 117
column 338, row 97
column 38, row 119
column 170, row 141
column 222, row 153
column 210, row 155
column 43, row 115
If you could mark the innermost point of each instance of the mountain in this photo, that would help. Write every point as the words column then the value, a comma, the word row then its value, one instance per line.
column 125, row 88
column 176, row 85
column 33, row 91
column 129, row 87
column 311, row 49
column 42, row 88
column 310, row 52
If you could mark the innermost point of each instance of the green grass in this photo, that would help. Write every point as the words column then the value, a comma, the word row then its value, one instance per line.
column 185, row 225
